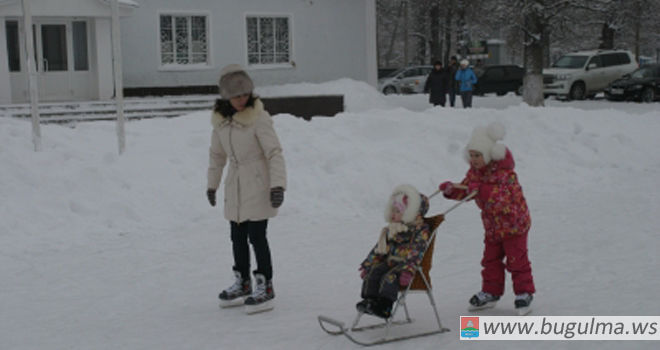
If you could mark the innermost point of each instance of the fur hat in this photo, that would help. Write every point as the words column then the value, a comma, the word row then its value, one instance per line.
column 465, row 62
column 484, row 140
column 234, row 81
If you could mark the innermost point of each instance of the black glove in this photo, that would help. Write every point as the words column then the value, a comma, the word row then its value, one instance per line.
column 276, row 196
column 210, row 194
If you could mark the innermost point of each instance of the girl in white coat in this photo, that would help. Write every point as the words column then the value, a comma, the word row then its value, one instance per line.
column 243, row 136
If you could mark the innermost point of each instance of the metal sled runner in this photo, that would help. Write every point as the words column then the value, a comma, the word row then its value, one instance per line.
column 421, row 281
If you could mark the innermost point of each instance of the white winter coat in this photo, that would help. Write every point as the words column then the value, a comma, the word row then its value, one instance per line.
column 256, row 164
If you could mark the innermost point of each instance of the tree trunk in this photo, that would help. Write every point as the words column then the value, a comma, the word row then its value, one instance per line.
column 448, row 31
column 606, row 37
column 533, row 81
column 638, row 24
column 388, row 56
column 405, row 33
column 436, row 49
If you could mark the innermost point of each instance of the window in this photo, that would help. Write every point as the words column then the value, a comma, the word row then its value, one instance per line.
column 595, row 60
column 623, row 58
column 615, row 59
column 80, row 61
column 183, row 40
column 268, row 40
column 412, row 73
column 13, row 52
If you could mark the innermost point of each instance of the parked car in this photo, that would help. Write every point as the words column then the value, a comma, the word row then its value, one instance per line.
column 640, row 85
column 583, row 74
column 405, row 80
column 500, row 80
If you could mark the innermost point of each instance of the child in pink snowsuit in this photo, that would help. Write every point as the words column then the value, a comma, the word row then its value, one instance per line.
column 504, row 215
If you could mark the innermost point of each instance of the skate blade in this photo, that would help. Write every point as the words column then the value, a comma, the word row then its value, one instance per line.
column 232, row 303
column 263, row 307
column 524, row 311
column 488, row 305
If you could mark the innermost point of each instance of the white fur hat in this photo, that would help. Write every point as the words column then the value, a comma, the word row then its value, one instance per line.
column 413, row 202
column 465, row 62
column 234, row 81
column 484, row 140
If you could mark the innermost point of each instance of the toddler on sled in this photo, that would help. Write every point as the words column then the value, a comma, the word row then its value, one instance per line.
column 392, row 262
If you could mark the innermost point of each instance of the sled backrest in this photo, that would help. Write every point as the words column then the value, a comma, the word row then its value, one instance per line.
column 427, row 260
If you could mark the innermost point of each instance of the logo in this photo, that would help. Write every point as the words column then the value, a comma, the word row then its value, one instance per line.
column 469, row 327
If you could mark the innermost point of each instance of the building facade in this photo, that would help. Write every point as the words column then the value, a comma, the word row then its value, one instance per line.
column 177, row 44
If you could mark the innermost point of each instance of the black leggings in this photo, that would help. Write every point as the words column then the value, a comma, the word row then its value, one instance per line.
column 255, row 231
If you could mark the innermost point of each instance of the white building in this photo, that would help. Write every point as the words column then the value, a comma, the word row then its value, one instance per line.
column 182, row 44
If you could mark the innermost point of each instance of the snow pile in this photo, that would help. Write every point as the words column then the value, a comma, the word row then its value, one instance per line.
column 358, row 96
column 123, row 252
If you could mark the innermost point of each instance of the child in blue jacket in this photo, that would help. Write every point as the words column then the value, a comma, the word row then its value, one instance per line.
column 466, row 78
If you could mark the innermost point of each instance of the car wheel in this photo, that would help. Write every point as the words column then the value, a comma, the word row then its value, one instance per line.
column 648, row 95
column 578, row 91
column 388, row 90
column 501, row 93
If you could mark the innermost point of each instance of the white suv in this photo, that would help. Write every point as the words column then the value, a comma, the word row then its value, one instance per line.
column 583, row 74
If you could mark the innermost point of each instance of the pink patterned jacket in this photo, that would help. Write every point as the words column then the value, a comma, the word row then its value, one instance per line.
column 503, row 207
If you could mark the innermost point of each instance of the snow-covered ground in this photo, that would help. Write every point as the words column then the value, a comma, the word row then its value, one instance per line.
column 100, row 251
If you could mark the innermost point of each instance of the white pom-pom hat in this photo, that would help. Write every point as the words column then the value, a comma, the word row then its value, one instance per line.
column 484, row 140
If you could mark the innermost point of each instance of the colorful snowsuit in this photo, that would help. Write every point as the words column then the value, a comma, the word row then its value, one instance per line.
column 405, row 251
column 506, row 220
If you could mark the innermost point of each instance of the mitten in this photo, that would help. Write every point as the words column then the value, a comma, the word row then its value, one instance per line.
column 276, row 196
column 405, row 278
column 446, row 187
column 210, row 194
column 473, row 186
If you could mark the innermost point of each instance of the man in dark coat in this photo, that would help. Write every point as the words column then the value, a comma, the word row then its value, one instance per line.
column 453, row 85
column 436, row 84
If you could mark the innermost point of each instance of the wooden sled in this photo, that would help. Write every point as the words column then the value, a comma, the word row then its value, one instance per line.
column 420, row 282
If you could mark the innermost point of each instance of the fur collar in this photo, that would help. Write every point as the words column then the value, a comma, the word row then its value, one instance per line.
column 244, row 118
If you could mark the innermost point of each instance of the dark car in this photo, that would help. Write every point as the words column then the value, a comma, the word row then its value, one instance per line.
column 640, row 85
column 499, row 79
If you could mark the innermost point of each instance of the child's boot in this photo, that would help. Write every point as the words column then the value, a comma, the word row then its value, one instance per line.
column 262, row 297
column 381, row 307
column 235, row 295
column 483, row 300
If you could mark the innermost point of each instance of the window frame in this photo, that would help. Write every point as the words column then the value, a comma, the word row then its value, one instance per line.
column 257, row 66
column 209, row 49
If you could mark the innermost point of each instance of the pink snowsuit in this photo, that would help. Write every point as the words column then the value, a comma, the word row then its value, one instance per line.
column 506, row 220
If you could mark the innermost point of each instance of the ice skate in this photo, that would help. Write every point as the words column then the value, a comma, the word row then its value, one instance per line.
column 262, row 298
column 482, row 300
column 236, row 294
column 524, row 303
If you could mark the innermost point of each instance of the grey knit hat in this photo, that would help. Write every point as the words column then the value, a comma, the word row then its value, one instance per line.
column 234, row 81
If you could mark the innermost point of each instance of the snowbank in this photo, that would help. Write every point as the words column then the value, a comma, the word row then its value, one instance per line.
column 106, row 252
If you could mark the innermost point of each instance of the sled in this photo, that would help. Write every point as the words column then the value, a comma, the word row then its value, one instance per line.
column 421, row 281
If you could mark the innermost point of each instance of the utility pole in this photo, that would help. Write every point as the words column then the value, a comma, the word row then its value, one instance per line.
column 119, row 83
column 32, row 75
